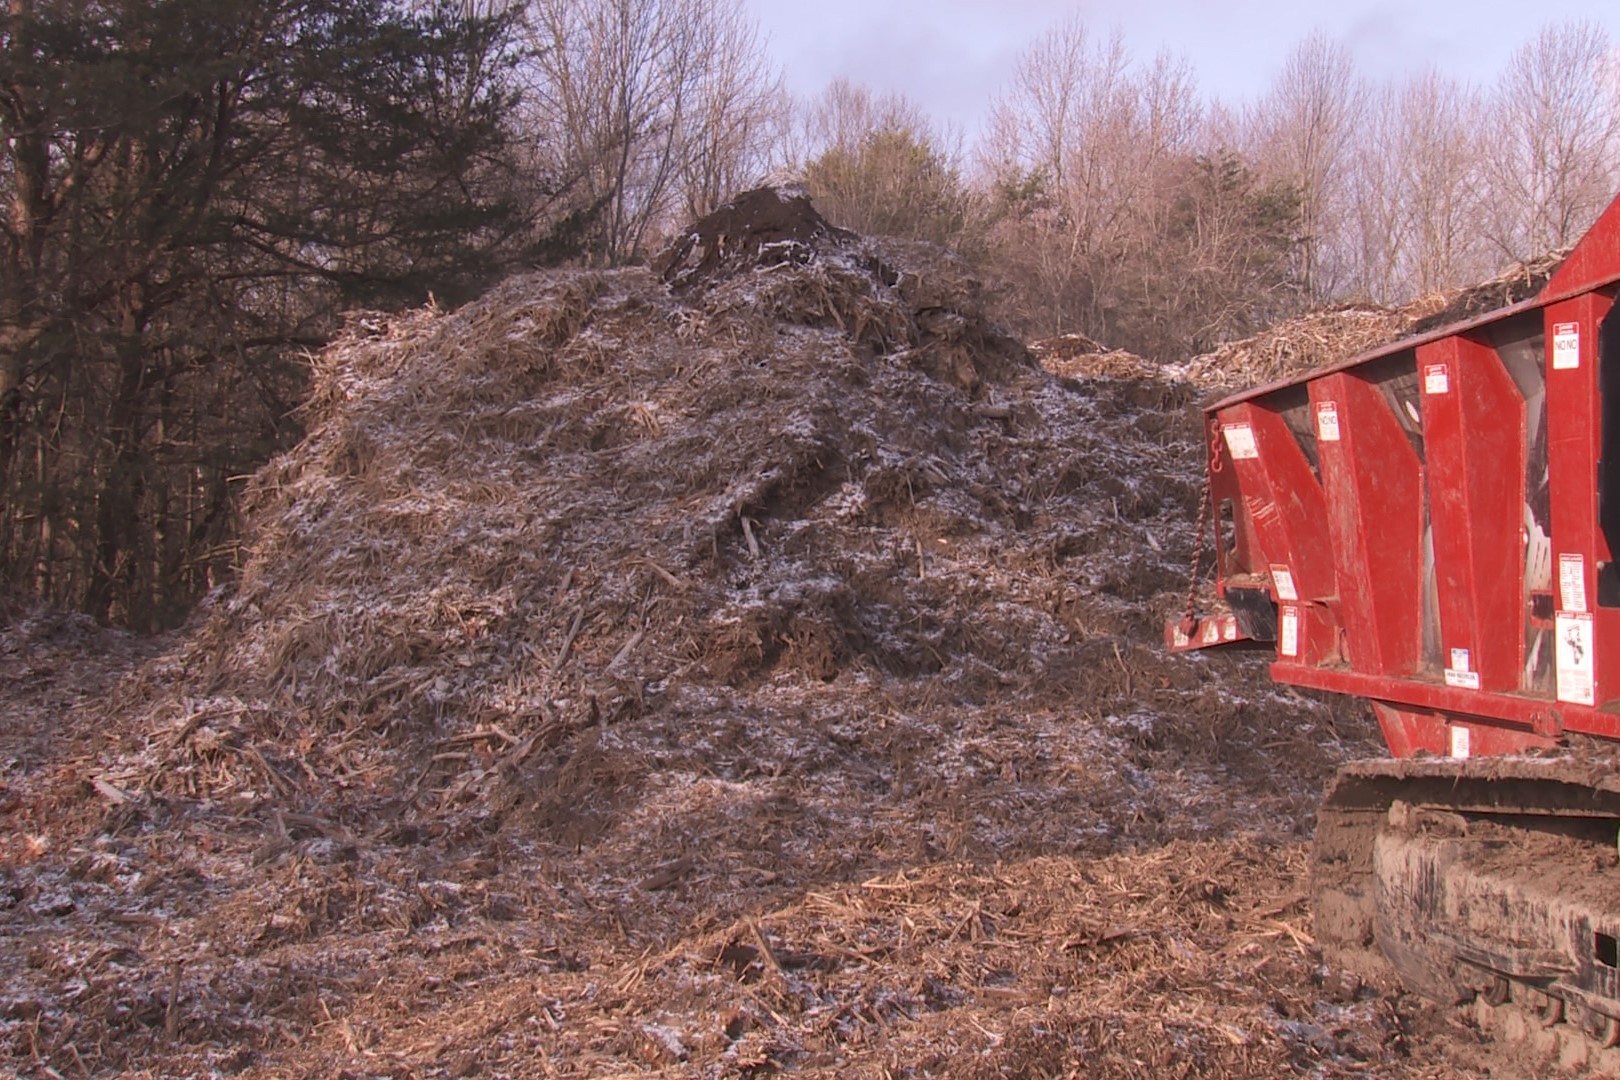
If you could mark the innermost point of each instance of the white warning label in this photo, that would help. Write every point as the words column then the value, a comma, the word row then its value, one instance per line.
column 1436, row 379
column 1572, row 581
column 1566, row 346
column 1461, row 660
column 1288, row 632
column 1327, row 421
column 1461, row 743
column 1240, row 441
column 1462, row 680
column 1283, row 582
column 1576, row 683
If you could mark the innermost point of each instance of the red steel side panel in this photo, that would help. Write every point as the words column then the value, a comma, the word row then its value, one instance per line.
column 1237, row 554
column 1474, row 432
column 1373, row 484
column 1587, row 634
column 1407, row 732
column 1283, row 502
column 1412, row 731
column 1595, row 260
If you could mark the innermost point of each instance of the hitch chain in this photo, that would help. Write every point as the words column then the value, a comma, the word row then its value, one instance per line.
column 1189, row 621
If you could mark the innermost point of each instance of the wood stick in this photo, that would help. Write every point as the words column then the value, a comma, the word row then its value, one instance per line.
column 765, row 950
column 568, row 642
column 674, row 582
column 171, row 1017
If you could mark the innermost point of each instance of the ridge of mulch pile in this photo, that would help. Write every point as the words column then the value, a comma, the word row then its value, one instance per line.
column 1315, row 339
column 743, row 667
column 1333, row 335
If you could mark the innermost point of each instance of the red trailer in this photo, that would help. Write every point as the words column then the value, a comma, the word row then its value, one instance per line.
column 1434, row 526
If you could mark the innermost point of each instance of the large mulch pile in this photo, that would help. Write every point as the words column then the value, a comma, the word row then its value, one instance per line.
column 745, row 667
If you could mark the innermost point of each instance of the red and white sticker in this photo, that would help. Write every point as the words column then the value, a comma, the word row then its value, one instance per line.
column 1577, row 683
column 1212, row 631
column 1566, row 346
column 1572, row 581
column 1436, row 379
column 1240, row 441
column 1288, row 632
column 1283, row 582
column 1327, row 421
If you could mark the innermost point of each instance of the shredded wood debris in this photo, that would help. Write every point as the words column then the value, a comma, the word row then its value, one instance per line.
column 742, row 669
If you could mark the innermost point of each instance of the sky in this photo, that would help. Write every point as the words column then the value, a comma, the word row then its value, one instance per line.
column 953, row 56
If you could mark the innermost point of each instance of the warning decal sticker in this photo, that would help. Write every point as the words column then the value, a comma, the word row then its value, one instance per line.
column 1572, row 581
column 1288, row 632
column 1240, row 441
column 1327, row 421
column 1436, row 379
column 1576, row 683
column 1566, row 346
column 1283, row 582
column 1461, row 674
column 1460, row 741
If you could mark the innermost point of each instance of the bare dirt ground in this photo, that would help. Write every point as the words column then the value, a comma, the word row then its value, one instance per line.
column 745, row 668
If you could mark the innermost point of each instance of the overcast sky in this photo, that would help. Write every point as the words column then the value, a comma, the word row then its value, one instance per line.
column 953, row 56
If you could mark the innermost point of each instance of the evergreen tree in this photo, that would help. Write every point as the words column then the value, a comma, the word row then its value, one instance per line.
column 195, row 188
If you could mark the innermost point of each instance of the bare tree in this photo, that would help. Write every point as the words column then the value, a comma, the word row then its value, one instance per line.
column 1377, row 222
column 738, row 120
column 648, row 95
column 1084, row 150
column 1555, row 141
column 1442, row 167
column 875, row 164
column 847, row 112
column 1303, row 131
column 1414, row 189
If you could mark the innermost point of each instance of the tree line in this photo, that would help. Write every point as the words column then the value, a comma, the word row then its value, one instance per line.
column 196, row 191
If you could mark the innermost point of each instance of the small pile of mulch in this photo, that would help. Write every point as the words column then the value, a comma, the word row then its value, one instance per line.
column 1075, row 356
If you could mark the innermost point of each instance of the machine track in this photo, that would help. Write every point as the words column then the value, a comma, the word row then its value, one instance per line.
column 1491, row 883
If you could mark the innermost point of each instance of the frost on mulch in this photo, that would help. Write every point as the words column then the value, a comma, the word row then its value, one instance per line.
column 744, row 667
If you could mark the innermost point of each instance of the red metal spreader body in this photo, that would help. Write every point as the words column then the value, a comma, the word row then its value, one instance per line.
column 1433, row 525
